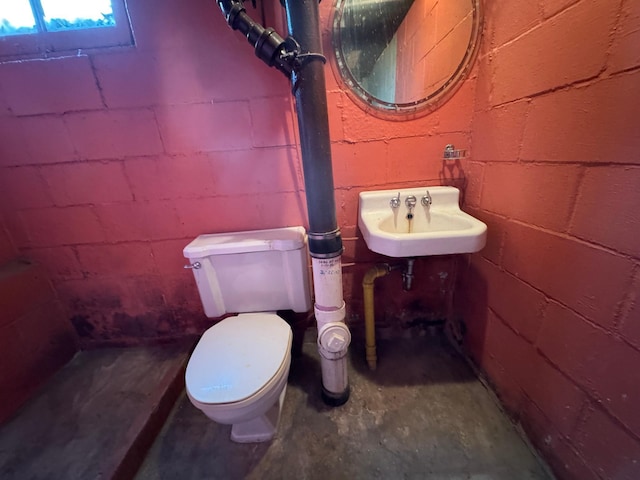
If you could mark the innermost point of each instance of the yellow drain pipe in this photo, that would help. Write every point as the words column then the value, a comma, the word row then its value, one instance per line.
column 369, row 315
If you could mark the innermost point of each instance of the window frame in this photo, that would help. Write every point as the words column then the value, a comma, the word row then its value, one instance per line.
column 43, row 43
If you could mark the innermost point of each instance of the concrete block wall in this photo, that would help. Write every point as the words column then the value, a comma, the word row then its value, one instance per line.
column 112, row 160
column 370, row 153
column 36, row 339
column 551, row 305
column 7, row 250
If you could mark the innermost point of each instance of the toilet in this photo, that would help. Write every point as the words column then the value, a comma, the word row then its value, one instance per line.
column 237, row 373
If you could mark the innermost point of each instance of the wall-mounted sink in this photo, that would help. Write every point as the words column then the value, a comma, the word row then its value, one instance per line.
column 434, row 226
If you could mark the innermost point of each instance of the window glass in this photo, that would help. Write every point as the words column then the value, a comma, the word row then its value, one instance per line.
column 16, row 17
column 45, row 27
column 74, row 14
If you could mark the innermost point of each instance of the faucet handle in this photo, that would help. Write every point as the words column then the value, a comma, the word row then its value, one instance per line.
column 410, row 201
column 395, row 201
column 426, row 200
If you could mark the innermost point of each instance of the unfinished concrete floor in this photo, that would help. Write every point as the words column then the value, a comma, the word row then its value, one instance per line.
column 96, row 417
column 422, row 415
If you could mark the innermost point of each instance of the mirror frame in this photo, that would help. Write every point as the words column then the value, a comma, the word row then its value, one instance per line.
column 402, row 111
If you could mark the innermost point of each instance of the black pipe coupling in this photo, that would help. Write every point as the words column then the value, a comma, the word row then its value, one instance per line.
column 231, row 9
column 270, row 47
column 325, row 245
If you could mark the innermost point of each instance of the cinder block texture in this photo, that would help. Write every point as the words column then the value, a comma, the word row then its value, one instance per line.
column 556, row 138
column 36, row 339
column 56, row 85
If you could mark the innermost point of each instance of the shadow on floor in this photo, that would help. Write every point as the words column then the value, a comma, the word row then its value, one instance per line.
column 424, row 360
column 427, row 359
column 421, row 415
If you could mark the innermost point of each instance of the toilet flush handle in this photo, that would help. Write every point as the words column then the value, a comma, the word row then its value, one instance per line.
column 194, row 265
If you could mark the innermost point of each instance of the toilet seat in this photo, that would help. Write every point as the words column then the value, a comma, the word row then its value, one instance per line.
column 238, row 359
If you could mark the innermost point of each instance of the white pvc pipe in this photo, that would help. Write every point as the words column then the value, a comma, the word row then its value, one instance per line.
column 327, row 282
column 333, row 335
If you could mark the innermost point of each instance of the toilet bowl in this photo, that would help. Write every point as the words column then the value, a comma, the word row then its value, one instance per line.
column 238, row 373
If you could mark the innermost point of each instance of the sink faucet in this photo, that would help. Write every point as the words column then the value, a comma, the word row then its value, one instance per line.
column 395, row 201
column 410, row 202
column 426, row 200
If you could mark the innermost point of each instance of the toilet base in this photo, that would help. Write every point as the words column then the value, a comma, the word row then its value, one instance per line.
column 259, row 429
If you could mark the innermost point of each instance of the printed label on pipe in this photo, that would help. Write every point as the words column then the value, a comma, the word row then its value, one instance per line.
column 328, row 266
column 327, row 280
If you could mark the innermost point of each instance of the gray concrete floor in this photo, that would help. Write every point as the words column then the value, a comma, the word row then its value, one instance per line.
column 94, row 416
column 422, row 415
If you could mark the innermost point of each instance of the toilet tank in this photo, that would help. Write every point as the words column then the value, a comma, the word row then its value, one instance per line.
column 255, row 271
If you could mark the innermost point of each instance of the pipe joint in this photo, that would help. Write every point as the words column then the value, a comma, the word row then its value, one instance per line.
column 325, row 245
column 271, row 49
column 231, row 9
column 285, row 55
column 379, row 270
column 407, row 275
column 326, row 316
column 333, row 340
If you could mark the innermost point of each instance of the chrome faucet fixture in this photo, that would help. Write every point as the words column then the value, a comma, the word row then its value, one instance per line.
column 395, row 201
column 426, row 200
column 410, row 202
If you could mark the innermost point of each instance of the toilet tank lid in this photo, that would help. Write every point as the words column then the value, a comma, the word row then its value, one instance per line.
column 288, row 238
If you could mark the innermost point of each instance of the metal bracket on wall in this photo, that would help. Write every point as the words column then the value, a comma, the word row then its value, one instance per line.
column 450, row 152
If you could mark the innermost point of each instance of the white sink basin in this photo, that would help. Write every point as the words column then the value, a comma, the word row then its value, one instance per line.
column 438, row 229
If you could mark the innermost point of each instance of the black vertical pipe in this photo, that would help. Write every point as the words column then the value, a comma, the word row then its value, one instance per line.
column 300, row 58
column 313, row 124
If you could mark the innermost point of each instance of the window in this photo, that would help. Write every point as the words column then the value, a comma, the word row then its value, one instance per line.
column 45, row 26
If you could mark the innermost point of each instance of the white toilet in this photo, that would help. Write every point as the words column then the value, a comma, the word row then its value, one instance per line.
column 238, row 371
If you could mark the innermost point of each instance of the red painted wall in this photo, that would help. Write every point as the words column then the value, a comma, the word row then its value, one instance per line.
column 371, row 154
column 7, row 250
column 111, row 161
column 551, row 304
column 36, row 338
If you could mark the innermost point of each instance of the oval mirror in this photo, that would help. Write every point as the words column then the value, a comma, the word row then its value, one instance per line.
column 400, row 59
